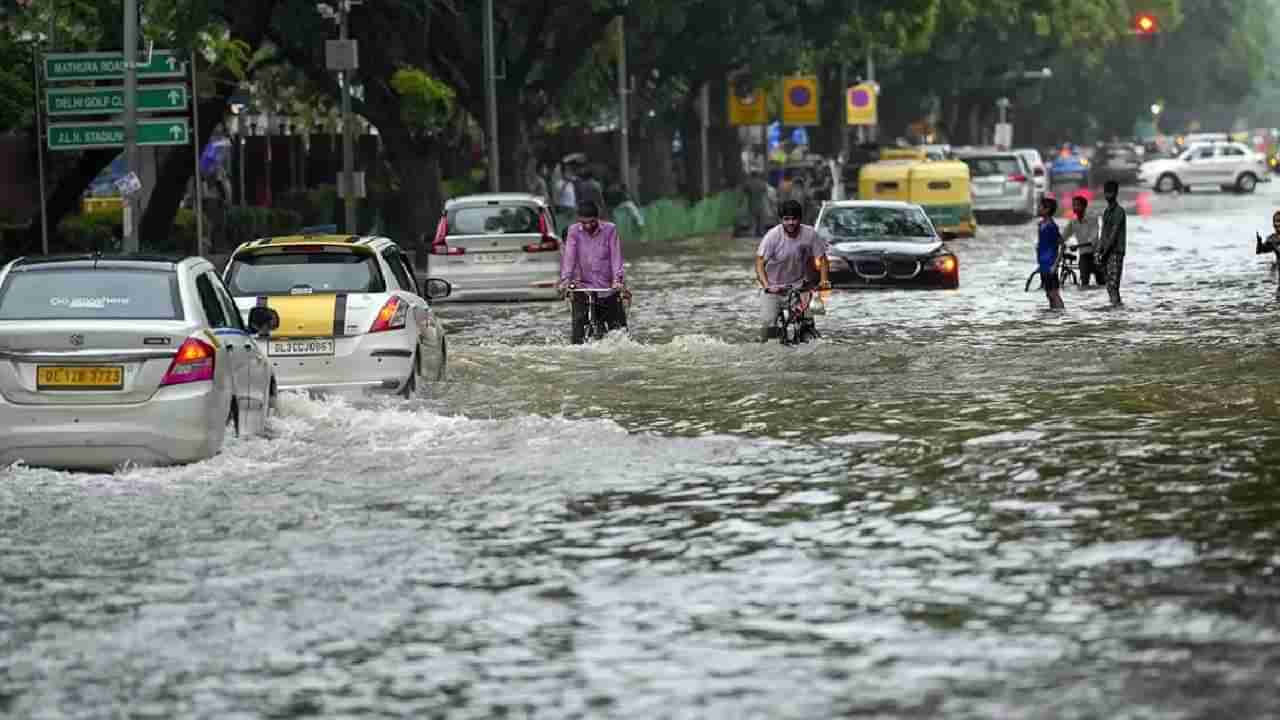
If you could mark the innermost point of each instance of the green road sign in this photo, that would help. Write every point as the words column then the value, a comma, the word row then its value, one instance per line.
column 110, row 100
column 83, row 136
column 60, row 67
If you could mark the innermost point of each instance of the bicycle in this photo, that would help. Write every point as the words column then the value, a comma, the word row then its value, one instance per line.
column 1068, row 271
column 596, row 326
column 793, row 324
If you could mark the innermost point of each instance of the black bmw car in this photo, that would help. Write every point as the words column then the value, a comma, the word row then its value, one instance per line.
column 879, row 243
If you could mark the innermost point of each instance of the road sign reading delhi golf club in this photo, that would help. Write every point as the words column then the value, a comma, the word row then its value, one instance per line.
column 59, row 67
column 110, row 100
column 83, row 136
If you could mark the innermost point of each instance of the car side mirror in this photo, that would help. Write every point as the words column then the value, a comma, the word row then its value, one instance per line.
column 263, row 320
column 437, row 288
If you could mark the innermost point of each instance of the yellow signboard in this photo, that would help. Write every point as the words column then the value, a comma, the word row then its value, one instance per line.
column 800, row 100
column 860, row 104
column 748, row 110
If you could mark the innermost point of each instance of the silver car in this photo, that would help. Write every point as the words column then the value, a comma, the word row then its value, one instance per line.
column 113, row 360
column 1001, row 183
column 497, row 246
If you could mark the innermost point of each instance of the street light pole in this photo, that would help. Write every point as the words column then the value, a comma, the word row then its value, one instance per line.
column 130, row 56
column 348, row 151
column 624, row 120
column 491, row 93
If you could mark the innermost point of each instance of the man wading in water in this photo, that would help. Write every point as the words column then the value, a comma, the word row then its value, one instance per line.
column 1271, row 244
column 1111, row 243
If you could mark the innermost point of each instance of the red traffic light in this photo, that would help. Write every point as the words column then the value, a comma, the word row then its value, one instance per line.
column 1145, row 23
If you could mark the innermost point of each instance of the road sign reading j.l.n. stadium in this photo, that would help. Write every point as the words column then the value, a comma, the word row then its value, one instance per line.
column 110, row 100
column 109, row 66
column 84, row 136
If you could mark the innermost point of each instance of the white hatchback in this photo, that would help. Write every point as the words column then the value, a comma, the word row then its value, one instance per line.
column 1227, row 165
column 113, row 360
column 498, row 246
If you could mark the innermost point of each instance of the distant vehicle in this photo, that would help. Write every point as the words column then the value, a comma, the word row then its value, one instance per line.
column 1038, row 170
column 125, row 359
column 352, row 314
column 1069, row 165
column 1117, row 161
column 1002, row 184
column 1231, row 166
column 498, row 246
column 885, row 243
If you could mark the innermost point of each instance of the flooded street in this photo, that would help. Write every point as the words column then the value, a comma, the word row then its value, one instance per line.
column 956, row 504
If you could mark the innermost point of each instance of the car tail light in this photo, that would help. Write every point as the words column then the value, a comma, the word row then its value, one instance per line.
column 548, row 244
column 193, row 363
column 439, row 246
column 391, row 316
column 1018, row 178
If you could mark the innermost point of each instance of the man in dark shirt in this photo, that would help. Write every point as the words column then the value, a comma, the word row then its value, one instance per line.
column 1111, row 244
column 1271, row 244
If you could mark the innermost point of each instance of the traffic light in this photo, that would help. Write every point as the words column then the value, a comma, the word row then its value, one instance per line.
column 1145, row 24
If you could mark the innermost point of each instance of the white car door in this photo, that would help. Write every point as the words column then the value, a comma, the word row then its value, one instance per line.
column 257, row 388
column 231, row 342
column 1232, row 160
column 419, row 311
column 1200, row 167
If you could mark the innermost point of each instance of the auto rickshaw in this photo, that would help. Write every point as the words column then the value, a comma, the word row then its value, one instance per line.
column 941, row 187
column 886, row 180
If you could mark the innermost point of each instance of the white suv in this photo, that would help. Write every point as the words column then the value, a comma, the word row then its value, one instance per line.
column 1229, row 165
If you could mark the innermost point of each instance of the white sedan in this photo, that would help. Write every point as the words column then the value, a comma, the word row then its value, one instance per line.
column 107, row 361
column 1227, row 165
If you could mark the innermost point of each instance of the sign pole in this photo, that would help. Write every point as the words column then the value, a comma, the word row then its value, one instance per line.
column 44, row 213
column 195, row 144
column 130, row 240
column 624, row 124
column 491, row 93
column 348, row 152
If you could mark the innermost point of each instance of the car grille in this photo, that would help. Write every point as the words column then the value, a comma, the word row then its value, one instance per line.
column 870, row 268
column 903, row 268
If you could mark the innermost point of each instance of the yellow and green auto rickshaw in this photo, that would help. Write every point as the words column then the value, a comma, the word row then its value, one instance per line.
column 941, row 187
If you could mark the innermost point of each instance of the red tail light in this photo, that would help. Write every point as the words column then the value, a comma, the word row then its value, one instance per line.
column 391, row 316
column 1018, row 178
column 193, row 363
column 548, row 244
column 439, row 246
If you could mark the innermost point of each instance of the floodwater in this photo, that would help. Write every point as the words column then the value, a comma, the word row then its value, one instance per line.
column 956, row 504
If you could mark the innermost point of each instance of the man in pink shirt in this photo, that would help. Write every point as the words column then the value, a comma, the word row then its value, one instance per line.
column 592, row 258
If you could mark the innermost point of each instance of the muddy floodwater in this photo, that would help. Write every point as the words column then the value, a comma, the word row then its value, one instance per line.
column 956, row 504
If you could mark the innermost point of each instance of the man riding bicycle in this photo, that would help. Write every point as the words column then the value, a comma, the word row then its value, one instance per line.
column 592, row 258
column 785, row 259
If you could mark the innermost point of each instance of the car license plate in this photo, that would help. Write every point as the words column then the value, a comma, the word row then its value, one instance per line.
column 301, row 347
column 57, row 377
column 986, row 190
column 495, row 257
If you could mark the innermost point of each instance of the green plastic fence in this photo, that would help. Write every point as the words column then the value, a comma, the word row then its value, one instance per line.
column 671, row 219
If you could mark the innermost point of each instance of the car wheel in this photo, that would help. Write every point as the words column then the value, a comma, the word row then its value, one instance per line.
column 1168, row 182
column 1247, row 183
column 411, row 385
column 233, row 418
column 444, row 360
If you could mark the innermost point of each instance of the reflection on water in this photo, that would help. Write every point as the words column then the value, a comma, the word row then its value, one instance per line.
column 956, row 504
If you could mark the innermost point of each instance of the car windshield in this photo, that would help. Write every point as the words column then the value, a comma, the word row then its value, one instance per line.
column 292, row 273
column 869, row 223
column 90, row 294
column 988, row 166
column 494, row 220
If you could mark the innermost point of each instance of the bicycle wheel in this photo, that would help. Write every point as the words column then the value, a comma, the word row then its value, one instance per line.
column 1069, row 273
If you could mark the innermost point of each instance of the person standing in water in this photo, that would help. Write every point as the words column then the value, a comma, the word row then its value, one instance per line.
column 1111, row 241
column 1271, row 244
column 1083, row 229
column 1049, row 253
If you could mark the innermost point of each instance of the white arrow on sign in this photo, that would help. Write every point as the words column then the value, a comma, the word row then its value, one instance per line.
column 174, row 97
column 173, row 63
column 175, row 132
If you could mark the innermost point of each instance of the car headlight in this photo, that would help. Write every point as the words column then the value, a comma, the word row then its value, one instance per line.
column 945, row 263
column 837, row 263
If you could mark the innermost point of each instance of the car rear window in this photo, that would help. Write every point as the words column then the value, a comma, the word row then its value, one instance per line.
column 301, row 273
column 987, row 166
column 494, row 220
column 90, row 294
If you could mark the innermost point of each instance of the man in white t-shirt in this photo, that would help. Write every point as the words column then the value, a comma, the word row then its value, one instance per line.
column 786, row 258
column 1081, row 234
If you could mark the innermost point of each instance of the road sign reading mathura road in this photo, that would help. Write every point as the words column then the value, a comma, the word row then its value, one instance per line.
column 110, row 100
column 85, row 136
column 59, row 67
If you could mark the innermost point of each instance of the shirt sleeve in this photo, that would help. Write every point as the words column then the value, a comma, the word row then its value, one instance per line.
column 569, row 257
column 763, row 247
column 615, row 254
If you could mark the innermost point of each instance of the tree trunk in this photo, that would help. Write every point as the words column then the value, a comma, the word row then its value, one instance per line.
column 657, row 176
column 691, row 133
column 65, row 200
column 177, row 170
column 724, row 138
column 514, row 146
column 416, row 162
column 825, row 139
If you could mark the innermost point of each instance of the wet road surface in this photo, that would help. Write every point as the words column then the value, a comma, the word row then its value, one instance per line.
column 957, row 504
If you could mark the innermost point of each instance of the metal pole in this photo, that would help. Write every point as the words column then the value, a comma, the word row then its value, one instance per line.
column 132, row 164
column 240, row 140
column 872, row 130
column 348, row 151
column 702, row 139
column 624, row 119
column 44, row 213
column 195, row 132
column 491, row 94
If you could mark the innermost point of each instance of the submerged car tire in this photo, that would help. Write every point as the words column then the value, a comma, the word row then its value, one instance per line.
column 444, row 360
column 233, row 418
column 1247, row 183
column 411, row 385
column 1168, row 182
